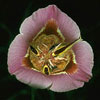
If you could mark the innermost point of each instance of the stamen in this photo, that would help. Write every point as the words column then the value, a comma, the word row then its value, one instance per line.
column 62, row 47
column 51, row 63
column 39, row 49
column 45, row 45
column 53, row 46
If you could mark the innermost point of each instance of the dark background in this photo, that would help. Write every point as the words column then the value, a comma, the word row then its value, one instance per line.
column 12, row 13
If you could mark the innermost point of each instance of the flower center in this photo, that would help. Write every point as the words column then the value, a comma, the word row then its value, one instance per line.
column 48, row 52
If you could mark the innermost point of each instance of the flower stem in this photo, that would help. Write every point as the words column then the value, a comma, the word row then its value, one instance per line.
column 33, row 92
column 52, row 96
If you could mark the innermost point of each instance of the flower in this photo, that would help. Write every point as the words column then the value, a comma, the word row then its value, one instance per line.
column 49, row 52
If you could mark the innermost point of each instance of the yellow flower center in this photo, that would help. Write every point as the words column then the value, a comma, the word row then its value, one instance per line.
column 48, row 52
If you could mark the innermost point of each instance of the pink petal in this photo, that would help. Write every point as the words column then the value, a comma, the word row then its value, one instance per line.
column 33, row 78
column 68, row 27
column 63, row 83
column 32, row 25
column 29, row 28
column 84, row 58
column 16, row 52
